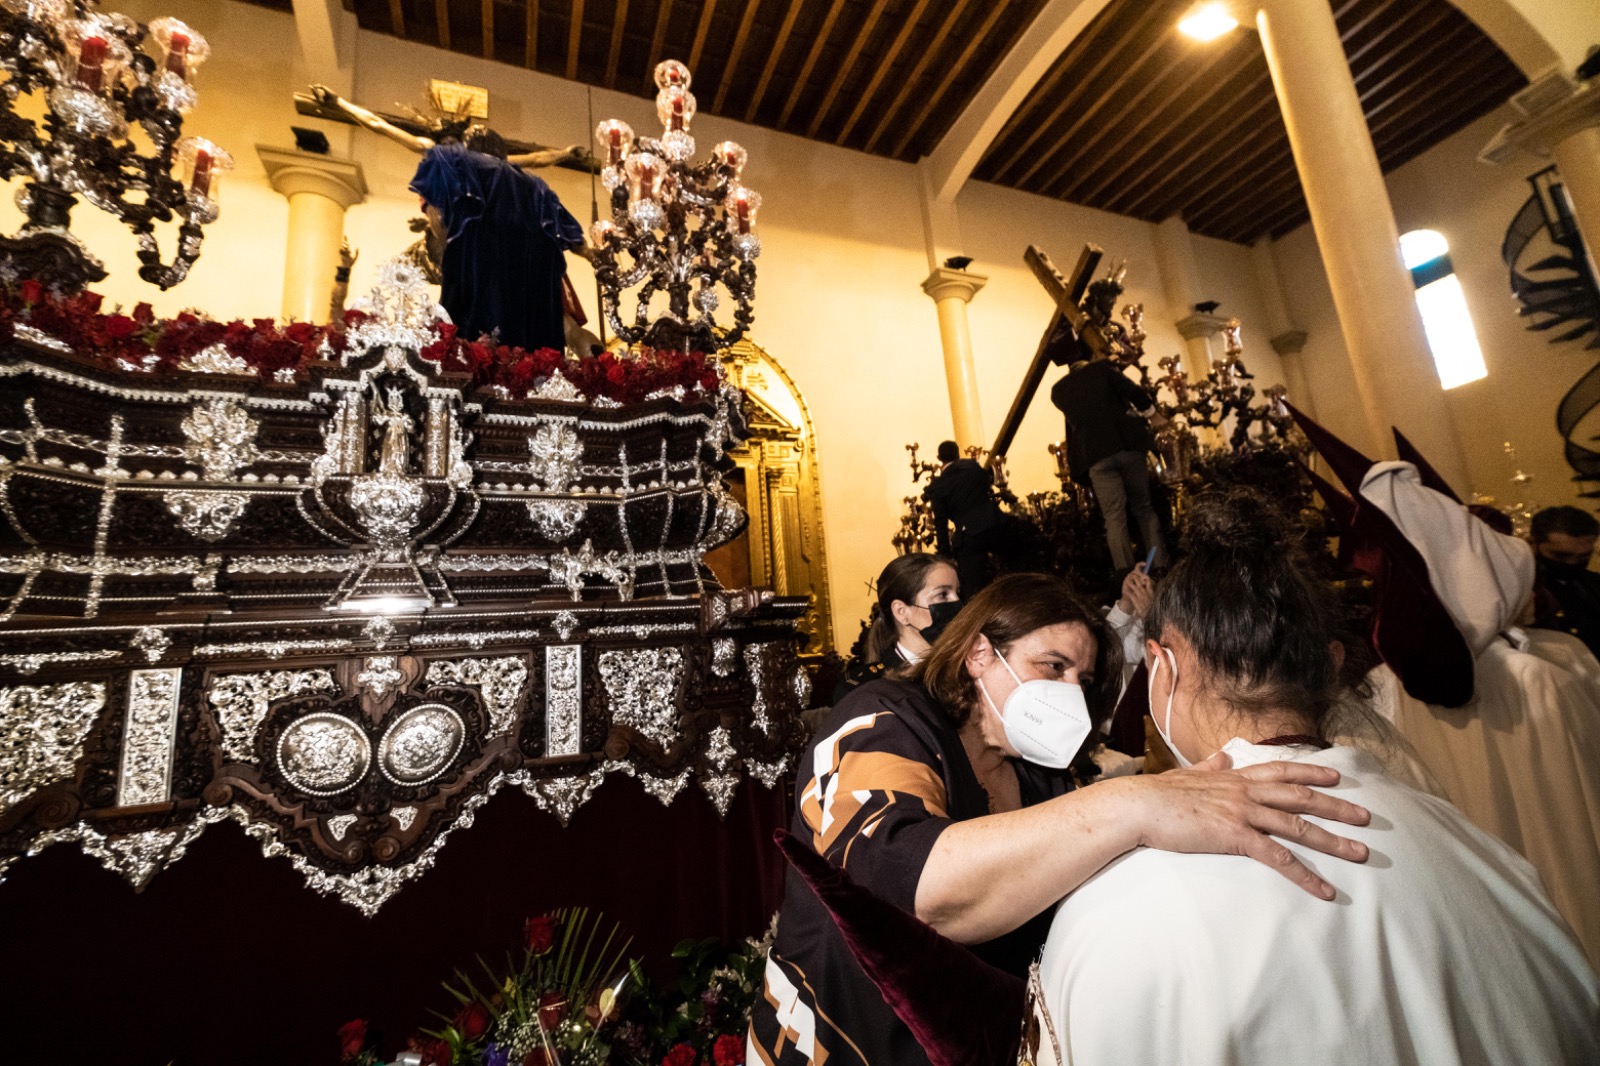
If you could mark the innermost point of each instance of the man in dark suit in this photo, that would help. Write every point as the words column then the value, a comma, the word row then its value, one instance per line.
column 960, row 496
column 1106, row 445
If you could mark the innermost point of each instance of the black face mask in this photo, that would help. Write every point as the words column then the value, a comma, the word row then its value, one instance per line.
column 941, row 613
column 1565, row 571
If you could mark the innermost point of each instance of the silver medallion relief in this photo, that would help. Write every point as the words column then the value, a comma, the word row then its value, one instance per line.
column 323, row 754
column 421, row 744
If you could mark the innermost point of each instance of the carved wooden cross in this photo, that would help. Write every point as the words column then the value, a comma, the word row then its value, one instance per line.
column 1066, row 292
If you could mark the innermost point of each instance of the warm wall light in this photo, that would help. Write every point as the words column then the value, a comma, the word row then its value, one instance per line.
column 1207, row 22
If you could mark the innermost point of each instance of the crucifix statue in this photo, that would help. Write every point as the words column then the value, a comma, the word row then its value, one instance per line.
column 503, row 233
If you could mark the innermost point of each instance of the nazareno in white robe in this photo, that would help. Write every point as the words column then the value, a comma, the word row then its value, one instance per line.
column 1522, row 759
column 1442, row 949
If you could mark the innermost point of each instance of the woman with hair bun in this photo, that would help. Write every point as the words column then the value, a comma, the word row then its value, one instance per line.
column 1444, row 949
column 950, row 794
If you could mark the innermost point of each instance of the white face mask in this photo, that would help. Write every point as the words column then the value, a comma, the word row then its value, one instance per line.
column 1150, row 696
column 1046, row 722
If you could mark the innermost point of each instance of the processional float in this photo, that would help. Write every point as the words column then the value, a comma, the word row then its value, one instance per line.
column 328, row 584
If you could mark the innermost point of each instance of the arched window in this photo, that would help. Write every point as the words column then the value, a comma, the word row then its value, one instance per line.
column 1444, row 308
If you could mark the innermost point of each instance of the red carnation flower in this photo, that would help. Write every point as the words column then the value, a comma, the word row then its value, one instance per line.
column 680, row 1055
column 433, row 1052
column 534, row 1058
column 540, row 933
column 728, row 1051
column 143, row 314
column 352, row 1038
column 32, row 292
column 472, row 1020
column 119, row 327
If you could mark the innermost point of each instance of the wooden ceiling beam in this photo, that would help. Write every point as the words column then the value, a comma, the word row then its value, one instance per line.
column 1411, row 24
column 658, row 42
column 441, row 14
column 1243, row 82
column 574, row 39
column 1399, row 146
column 614, row 53
column 397, row 18
column 1419, row 73
column 798, row 91
column 730, row 71
column 936, row 47
column 1170, row 196
column 1144, row 39
column 1427, row 99
column 842, row 76
column 1033, row 51
column 1222, row 211
column 700, row 32
column 882, row 67
column 953, row 75
column 1111, row 126
column 1048, row 88
column 530, row 35
column 1359, row 22
column 487, row 8
column 770, row 67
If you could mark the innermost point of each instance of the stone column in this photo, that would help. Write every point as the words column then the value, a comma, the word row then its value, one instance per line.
column 951, row 291
column 1285, row 338
column 319, row 189
column 1394, row 372
column 1560, row 121
column 1181, row 285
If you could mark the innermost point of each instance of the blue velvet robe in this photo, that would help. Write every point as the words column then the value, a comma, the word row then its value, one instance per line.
column 506, row 235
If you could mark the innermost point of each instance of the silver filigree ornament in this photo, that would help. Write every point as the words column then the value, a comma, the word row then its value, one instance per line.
column 403, row 817
column 500, row 681
column 801, row 683
column 42, row 730
column 136, row 857
column 340, row 824
column 642, row 686
column 220, row 438
column 152, row 641
column 208, row 515
column 323, row 754
column 149, row 737
column 768, row 773
column 565, row 622
column 719, row 749
column 379, row 629
column 419, row 746
column 241, row 703
column 755, row 661
column 388, row 507
column 215, row 360
column 380, row 676
column 402, row 309
column 563, row 700
column 555, row 455
column 724, row 656
column 721, row 789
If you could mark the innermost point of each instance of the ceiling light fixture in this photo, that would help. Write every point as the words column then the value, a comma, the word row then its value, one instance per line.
column 1207, row 22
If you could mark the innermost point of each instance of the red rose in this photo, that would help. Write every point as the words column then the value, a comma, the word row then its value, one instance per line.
column 680, row 1055
column 552, row 1009
column 616, row 373
column 32, row 293
column 728, row 1051
column 540, row 933
column 352, row 1038
column 119, row 327
column 534, row 1058
column 433, row 1052
column 302, row 333
column 143, row 314
column 472, row 1020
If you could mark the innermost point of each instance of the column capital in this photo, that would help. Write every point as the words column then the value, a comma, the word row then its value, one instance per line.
column 1290, row 343
column 1201, row 325
column 944, row 283
column 291, row 172
column 1552, row 109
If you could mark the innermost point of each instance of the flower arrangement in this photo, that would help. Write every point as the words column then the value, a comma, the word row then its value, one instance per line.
column 139, row 341
column 574, row 999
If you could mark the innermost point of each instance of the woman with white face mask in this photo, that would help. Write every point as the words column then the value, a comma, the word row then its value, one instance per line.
column 949, row 794
column 1444, row 950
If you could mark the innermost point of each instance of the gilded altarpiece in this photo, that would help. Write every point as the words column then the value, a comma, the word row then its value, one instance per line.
column 777, row 465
